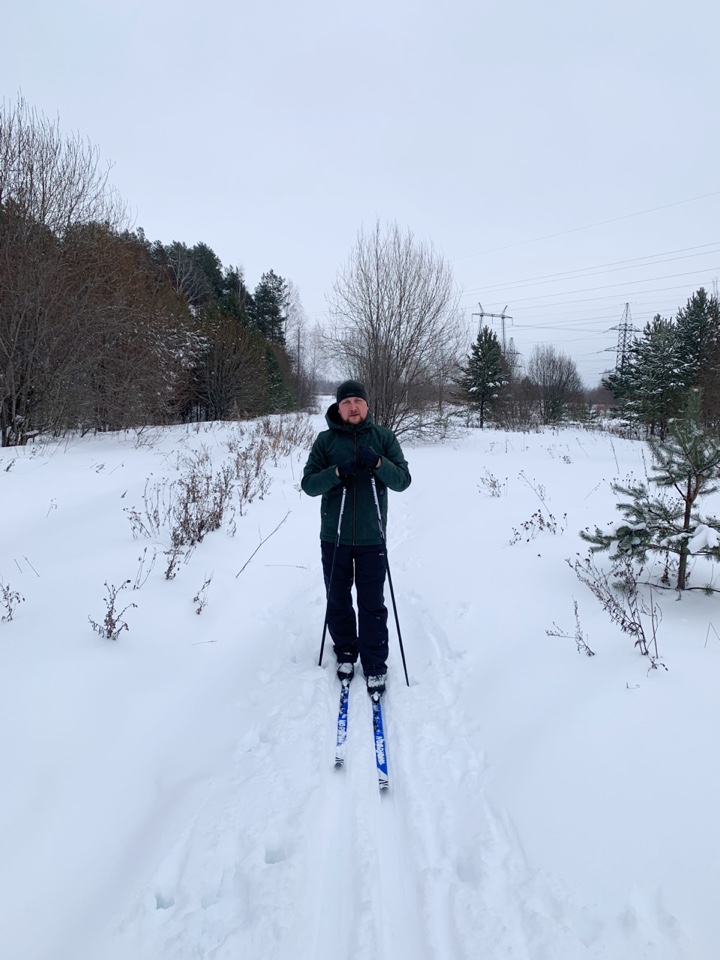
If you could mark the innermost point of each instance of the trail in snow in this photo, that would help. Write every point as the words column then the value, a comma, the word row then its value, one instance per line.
column 288, row 857
column 189, row 768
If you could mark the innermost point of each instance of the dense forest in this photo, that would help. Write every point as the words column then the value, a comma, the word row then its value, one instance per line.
column 104, row 329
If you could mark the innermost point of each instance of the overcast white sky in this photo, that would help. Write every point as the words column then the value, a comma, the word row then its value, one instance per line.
column 520, row 138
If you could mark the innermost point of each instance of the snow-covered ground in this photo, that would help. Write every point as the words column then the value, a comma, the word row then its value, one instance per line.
column 171, row 795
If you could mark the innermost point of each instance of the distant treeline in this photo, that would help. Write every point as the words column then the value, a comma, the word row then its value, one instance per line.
column 101, row 329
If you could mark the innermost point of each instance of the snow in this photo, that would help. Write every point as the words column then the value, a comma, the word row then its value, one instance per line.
column 704, row 538
column 173, row 794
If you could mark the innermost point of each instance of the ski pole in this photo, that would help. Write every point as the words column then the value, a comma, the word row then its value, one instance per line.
column 387, row 567
column 332, row 571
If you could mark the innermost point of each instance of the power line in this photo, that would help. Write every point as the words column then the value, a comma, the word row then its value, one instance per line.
column 641, row 308
column 587, row 226
column 626, row 283
column 651, row 292
column 598, row 270
column 579, row 325
column 576, row 321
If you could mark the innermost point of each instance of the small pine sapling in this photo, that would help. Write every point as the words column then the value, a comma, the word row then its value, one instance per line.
column 686, row 467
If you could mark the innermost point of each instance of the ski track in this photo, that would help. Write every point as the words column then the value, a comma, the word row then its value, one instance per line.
column 343, row 870
column 288, row 858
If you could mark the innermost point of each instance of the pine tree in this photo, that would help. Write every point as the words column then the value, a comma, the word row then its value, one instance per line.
column 269, row 307
column 698, row 324
column 235, row 301
column 686, row 467
column 484, row 373
column 669, row 359
column 209, row 265
column 279, row 393
column 655, row 385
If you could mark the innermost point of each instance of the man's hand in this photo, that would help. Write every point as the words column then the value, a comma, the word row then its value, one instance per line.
column 346, row 469
column 368, row 457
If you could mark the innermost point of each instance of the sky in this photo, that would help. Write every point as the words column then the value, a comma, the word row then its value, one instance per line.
column 562, row 157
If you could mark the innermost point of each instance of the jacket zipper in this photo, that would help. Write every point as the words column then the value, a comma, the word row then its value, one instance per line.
column 354, row 493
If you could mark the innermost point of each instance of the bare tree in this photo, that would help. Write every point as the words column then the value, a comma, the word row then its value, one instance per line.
column 396, row 327
column 49, row 184
column 126, row 333
column 556, row 381
column 298, row 345
column 51, row 179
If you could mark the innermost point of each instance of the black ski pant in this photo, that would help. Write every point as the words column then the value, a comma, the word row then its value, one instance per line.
column 367, row 637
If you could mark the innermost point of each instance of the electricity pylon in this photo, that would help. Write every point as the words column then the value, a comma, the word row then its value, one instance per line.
column 502, row 317
column 625, row 330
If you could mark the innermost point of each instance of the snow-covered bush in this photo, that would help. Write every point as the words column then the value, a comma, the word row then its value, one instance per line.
column 201, row 497
column 189, row 507
column 620, row 597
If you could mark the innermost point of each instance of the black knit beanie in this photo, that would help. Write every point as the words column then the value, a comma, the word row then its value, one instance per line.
column 351, row 388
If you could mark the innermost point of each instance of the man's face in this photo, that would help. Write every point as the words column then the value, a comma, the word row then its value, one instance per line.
column 353, row 410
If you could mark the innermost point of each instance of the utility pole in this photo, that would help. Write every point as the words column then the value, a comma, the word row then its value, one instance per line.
column 502, row 317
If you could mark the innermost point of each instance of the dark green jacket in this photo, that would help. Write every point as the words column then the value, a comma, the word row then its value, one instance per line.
column 341, row 441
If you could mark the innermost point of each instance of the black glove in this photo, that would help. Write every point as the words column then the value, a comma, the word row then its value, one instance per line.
column 347, row 469
column 368, row 457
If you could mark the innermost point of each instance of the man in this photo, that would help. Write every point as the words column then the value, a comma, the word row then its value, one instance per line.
column 347, row 455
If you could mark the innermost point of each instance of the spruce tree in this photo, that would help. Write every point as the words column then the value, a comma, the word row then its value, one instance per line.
column 484, row 373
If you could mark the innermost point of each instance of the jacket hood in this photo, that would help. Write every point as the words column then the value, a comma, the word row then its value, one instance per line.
column 335, row 421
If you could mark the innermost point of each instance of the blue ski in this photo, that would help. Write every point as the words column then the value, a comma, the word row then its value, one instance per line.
column 380, row 753
column 342, row 724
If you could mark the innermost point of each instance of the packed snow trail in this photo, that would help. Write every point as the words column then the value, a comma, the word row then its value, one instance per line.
column 287, row 857
column 173, row 795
